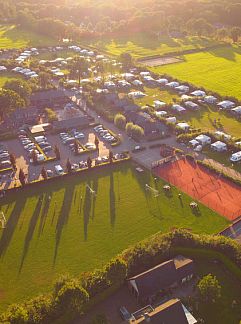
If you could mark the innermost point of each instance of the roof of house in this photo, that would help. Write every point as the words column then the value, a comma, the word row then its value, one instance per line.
column 170, row 312
column 48, row 95
column 72, row 122
column 162, row 276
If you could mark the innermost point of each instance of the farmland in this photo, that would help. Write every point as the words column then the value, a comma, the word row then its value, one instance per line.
column 62, row 228
column 15, row 37
column 142, row 45
column 218, row 70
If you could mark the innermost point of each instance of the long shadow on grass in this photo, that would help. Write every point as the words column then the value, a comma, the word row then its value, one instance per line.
column 63, row 217
column 31, row 228
column 86, row 211
column 46, row 204
column 112, row 201
column 95, row 188
column 11, row 225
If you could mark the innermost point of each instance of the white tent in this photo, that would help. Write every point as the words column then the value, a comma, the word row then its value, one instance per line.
column 159, row 104
column 226, row 104
column 219, row 146
column 183, row 126
column 203, row 139
column 198, row 93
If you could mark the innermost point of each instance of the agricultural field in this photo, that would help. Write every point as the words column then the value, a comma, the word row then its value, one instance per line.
column 60, row 227
column 8, row 76
column 142, row 45
column 218, row 70
column 14, row 37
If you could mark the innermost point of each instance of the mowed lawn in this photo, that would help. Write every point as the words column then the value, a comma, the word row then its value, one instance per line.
column 16, row 37
column 8, row 76
column 60, row 227
column 142, row 45
column 218, row 70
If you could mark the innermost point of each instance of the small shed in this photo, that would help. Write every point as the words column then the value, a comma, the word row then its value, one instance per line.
column 219, row 146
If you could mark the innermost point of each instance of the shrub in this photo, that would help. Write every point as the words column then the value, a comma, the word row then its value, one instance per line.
column 120, row 121
column 209, row 289
column 116, row 271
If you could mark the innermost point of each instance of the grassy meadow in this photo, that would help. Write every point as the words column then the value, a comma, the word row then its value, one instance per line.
column 12, row 37
column 142, row 45
column 60, row 227
column 218, row 70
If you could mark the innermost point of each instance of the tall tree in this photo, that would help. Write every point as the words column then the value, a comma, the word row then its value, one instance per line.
column 21, row 87
column 57, row 152
column 44, row 173
column 22, row 177
column 9, row 102
column 89, row 162
column 68, row 166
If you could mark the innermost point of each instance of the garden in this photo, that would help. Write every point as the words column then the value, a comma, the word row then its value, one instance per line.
column 63, row 226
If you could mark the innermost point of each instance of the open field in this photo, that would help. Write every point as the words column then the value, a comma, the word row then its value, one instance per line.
column 59, row 227
column 142, row 45
column 8, row 76
column 218, row 70
column 217, row 193
column 15, row 37
column 156, row 94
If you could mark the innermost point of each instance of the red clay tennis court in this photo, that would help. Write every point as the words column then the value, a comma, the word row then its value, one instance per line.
column 217, row 193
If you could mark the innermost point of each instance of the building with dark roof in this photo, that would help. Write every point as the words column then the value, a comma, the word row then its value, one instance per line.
column 170, row 312
column 49, row 98
column 78, row 122
column 161, row 278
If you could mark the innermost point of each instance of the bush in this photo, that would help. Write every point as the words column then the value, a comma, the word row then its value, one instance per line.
column 116, row 271
column 120, row 121
column 209, row 289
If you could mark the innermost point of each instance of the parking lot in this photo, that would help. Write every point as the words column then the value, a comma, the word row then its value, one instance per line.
column 33, row 171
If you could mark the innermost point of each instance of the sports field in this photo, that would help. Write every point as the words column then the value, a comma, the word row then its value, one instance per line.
column 217, row 193
column 60, row 227
column 16, row 37
column 143, row 45
column 218, row 70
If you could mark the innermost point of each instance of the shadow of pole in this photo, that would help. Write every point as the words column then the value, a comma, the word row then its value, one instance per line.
column 11, row 225
column 95, row 188
column 112, row 201
column 86, row 211
column 63, row 218
column 47, row 201
column 31, row 228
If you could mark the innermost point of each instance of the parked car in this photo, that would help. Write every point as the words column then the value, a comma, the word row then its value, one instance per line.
column 125, row 315
column 58, row 169
column 47, row 149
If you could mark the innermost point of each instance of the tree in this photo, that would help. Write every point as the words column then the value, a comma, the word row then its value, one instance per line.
column 21, row 87
column 17, row 314
column 235, row 33
column 120, row 121
column 68, row 166
column 97, row 142
column 34, row 156
column 222, row 33
column 44, row 79
column 79, row 66
column 51, row 114
column 72, row 296
column 116, row 271
column 12, row 159
column 111, row 155
column 89, row 162
column 128, row 128
column 126, row 60
column 9, row 102
column 137, row 132
column 76, row 146
column 22, row 177
column 209, row 288
column 57, row 152
column 44, row 173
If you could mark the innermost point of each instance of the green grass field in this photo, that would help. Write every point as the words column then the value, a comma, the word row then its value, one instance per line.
column 59, row 227
column 142, row 45
column 218, row 70
column 16, row 37
column 8, row 76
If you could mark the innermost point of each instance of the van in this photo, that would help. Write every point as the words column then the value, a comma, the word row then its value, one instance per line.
column 58, row 169
column 236, row 157
column 40, row 139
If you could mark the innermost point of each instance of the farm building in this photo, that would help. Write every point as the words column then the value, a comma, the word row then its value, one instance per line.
column 170, row 312
column 161, row 278
column 219, row 146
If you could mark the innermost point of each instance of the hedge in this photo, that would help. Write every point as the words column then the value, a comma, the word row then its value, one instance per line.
column 97, row 285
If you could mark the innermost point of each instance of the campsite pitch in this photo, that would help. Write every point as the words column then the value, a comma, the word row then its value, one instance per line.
column 212, row 190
